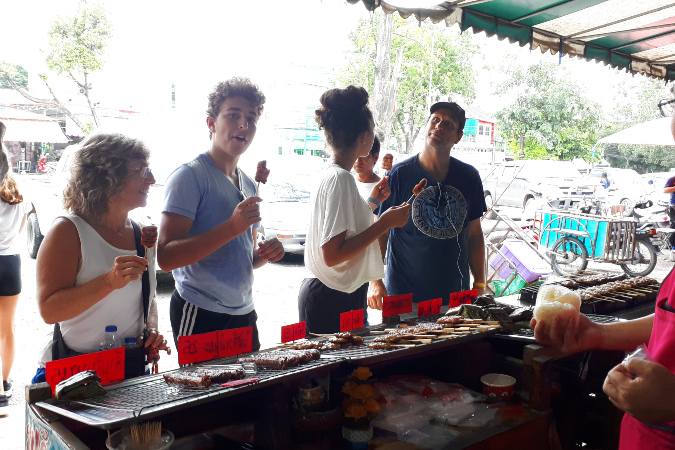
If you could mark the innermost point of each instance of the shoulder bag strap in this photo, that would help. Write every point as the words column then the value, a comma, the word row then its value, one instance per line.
column 145, row 279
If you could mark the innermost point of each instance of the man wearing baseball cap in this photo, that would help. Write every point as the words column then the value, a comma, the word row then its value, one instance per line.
column 431, row 255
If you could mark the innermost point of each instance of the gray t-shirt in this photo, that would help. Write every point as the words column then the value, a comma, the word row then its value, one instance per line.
column 221, row 282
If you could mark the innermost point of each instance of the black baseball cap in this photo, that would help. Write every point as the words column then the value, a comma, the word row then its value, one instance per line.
column 457, row 112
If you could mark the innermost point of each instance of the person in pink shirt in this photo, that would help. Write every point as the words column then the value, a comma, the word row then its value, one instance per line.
column 644, row 388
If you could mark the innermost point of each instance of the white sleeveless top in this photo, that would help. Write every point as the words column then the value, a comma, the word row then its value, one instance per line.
column 122, row 307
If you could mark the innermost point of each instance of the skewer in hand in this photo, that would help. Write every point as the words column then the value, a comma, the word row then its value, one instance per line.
column 148, row 237
column 261, row 174
column 417, row 190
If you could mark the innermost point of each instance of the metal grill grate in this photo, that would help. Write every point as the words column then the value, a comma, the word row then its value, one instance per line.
column 132, row 399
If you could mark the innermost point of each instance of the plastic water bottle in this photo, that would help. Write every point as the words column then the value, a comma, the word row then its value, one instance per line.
column 130, row 342
column 110, row 338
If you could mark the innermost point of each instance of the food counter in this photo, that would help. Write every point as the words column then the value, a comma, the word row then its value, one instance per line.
column 264, row 409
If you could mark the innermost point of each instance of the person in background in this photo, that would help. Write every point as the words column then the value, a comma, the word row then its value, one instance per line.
column 89, row 268
column 366, row 179
column 12, row 221
column 604, row 181
column 387, row 163
column 434, row 262
column 670, row 189
column 642, row 387
column 341, row 249
column 210, row 219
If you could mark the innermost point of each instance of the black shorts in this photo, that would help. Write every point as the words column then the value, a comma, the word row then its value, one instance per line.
column 320, row 306
column 188, row 319
column 10, row 275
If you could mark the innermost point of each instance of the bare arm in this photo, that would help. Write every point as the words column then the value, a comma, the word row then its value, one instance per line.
column 578, row 334
column 176, row 249
column 669, row 190
column 477, row 251
column 340, row 249
column 57, row 266
column 625, row 335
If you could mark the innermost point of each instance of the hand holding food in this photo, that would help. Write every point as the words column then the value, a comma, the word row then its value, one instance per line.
column 125, row 269
column 245, row 214
column 381, row 190
column 417, row 189
column 555, row 301
column 149, row 236
column 271, row 250
column 262, row 172
column 396, row 216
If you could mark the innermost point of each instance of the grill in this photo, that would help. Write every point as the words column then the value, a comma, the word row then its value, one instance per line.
column 601, row 304
column 149, row 396
column 528, row 333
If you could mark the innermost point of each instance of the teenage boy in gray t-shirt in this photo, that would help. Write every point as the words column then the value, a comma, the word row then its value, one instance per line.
column 208, row 231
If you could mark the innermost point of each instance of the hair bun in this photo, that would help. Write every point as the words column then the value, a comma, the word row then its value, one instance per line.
column 348, row 99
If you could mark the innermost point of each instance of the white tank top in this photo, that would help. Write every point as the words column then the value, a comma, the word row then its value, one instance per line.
column 122, row 307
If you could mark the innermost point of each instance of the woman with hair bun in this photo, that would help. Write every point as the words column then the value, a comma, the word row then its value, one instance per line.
column 342, row 249
column 12, row 221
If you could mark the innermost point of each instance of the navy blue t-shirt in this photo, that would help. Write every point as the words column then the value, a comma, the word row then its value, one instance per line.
column 671, row 183
column 416, row 262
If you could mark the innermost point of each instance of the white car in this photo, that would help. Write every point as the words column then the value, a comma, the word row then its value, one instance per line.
column 285, row 209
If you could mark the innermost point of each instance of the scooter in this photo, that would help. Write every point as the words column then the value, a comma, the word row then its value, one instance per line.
column 654, row 223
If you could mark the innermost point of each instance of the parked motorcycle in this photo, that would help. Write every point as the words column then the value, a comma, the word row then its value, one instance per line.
column 654, row 223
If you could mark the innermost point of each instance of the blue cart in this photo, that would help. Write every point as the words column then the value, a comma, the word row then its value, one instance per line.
column 572, row 239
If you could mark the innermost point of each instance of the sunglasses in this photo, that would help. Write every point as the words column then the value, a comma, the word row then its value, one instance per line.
column 666, row 107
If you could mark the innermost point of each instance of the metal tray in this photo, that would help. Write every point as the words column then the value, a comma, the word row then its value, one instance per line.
column 150, row 396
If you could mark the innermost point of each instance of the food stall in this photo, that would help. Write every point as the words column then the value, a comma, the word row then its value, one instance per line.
column 426, row 371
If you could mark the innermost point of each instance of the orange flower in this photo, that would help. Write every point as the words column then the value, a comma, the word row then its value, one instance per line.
column 373, row 406
column 355, row 412
column 349, row 388
column 362, row 373
column 364, row 392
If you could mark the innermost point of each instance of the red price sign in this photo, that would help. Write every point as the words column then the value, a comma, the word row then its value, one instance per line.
column 352, row 320
column 293, row 332
column 235, row 341
column 358, row 318
column 394, row 305
column 429, row 307
column 463, row 297
column 198, row 347
column 108, row 365
column 214, row 344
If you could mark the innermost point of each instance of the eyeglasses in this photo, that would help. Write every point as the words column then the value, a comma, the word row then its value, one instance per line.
column 144, row 172
column 666, row 107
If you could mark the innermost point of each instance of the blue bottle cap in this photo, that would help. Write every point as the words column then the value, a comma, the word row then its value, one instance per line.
column 111, row 329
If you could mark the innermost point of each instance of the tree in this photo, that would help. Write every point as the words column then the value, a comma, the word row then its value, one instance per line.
column 406, row 66
column 549, row 114
column 76, row 48
column 13, row 75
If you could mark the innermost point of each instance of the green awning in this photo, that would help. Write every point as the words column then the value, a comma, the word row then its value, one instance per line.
column 634, row 35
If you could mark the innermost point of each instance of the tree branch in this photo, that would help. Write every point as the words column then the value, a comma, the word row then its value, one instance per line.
column 61, row 106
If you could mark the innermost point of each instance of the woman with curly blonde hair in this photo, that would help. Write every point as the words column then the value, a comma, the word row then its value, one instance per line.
column 12, row 221
column 91, row 264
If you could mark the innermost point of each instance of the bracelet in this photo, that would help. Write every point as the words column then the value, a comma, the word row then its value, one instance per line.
column 479, row 285
column 374, row 201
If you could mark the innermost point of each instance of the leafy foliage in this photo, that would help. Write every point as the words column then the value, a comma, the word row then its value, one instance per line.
column 549, row 114
column 77, row 44
column 12, row 75
column 76, row 48
column 430, row 64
